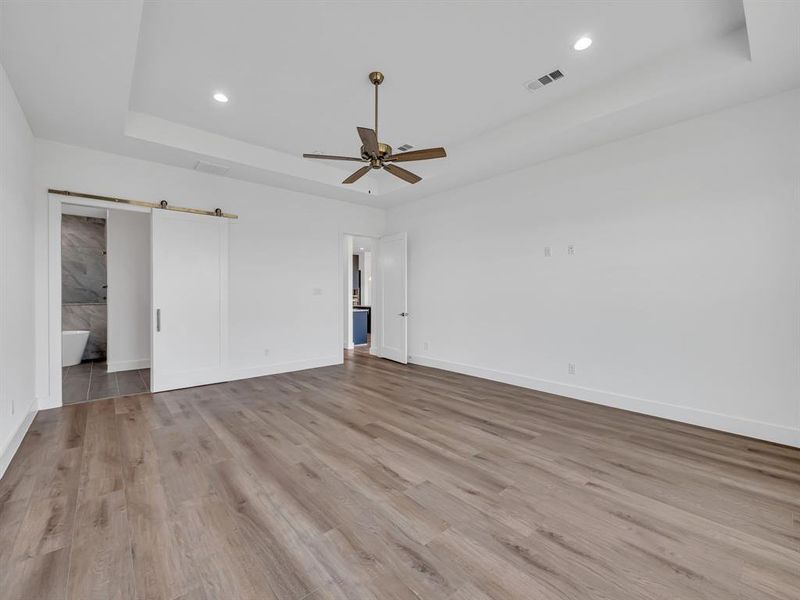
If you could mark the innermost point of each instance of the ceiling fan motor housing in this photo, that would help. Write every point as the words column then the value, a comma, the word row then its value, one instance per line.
column 384, row 151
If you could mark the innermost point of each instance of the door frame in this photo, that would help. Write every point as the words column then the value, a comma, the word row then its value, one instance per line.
column 54, row 397
column 345, row 291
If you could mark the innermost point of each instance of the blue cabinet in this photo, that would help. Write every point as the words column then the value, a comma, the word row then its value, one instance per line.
column 360, row 326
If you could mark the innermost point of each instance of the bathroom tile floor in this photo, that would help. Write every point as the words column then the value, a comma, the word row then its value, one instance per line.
column 91, row 381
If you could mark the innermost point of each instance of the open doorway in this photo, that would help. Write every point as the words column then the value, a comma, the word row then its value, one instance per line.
column 362, row 296
column 360, row 259
column 374, row 298
column 105, row 302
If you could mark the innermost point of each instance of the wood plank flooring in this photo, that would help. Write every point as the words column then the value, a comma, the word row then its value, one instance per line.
column 379, row 481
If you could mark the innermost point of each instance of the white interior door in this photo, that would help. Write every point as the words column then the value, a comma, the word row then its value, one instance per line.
column 394, row 313
column 190, row 299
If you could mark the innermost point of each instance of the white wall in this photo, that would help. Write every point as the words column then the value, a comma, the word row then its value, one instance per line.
column 285, row 249
column 17, row 395
column 128, row 262
column 683, row 296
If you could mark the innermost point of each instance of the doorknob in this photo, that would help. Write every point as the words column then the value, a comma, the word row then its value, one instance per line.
column 403, row 314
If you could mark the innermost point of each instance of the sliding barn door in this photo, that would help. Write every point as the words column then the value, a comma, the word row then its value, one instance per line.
column 394, row 316
column 190, row 299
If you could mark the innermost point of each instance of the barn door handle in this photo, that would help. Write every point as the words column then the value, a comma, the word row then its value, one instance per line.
column 158, row 319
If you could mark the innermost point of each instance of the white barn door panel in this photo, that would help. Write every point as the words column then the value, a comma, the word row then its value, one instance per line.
column 190, row 300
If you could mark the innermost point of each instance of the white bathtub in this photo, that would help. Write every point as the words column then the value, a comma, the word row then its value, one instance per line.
column 73, row 343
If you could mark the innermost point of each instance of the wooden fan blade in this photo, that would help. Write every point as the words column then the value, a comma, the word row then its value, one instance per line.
column 358, row 174
column 330, row 157
column 402, row 173
column 425, row 154
column 370, row 140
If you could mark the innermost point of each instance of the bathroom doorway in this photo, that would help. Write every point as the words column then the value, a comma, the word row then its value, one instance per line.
column 142, row 296
column 105, row 303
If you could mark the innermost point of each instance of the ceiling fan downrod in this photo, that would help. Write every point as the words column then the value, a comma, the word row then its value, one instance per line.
column 376, row 78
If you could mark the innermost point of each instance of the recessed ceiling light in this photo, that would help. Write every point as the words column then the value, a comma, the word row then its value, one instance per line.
column 220, row 97
column 583, row 43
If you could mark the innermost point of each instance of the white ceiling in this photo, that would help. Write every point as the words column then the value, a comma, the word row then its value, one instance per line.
column 297, row 83
column 137, row 79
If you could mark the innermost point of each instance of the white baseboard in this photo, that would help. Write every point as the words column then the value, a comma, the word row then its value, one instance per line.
column 127, row 365
column 771, row 432
column 237, row 373
column 46, row 402
column 11, row 447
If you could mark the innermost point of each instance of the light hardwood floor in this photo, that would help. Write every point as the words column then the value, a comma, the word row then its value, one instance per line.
column 375, row 480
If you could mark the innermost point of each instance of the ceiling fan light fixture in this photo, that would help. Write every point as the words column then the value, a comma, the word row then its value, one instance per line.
column 582, row 43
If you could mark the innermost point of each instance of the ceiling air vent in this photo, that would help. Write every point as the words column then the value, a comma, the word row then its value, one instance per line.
column 212, row 168
column 535, row 84
column 405, row 147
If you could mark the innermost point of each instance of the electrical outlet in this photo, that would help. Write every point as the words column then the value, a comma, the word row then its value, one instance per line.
column 571, row 250
column 547, row 251
column 425, row 345
column 266, row 351
column 571, row 368
column 317, row 291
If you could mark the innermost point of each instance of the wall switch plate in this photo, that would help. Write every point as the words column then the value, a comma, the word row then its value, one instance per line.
column 571, row 368
column 266, row 351
column 317, row 291
column 547, row 251
column 571, row 250
column 425, row 345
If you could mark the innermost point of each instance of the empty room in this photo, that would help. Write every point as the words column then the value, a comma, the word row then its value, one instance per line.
column 400, row 300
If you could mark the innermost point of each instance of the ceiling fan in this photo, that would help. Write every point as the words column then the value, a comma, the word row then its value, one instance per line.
column 379, row 155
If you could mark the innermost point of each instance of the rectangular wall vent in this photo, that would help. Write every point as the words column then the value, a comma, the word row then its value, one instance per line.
column 212, row 168
column 540, row 82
